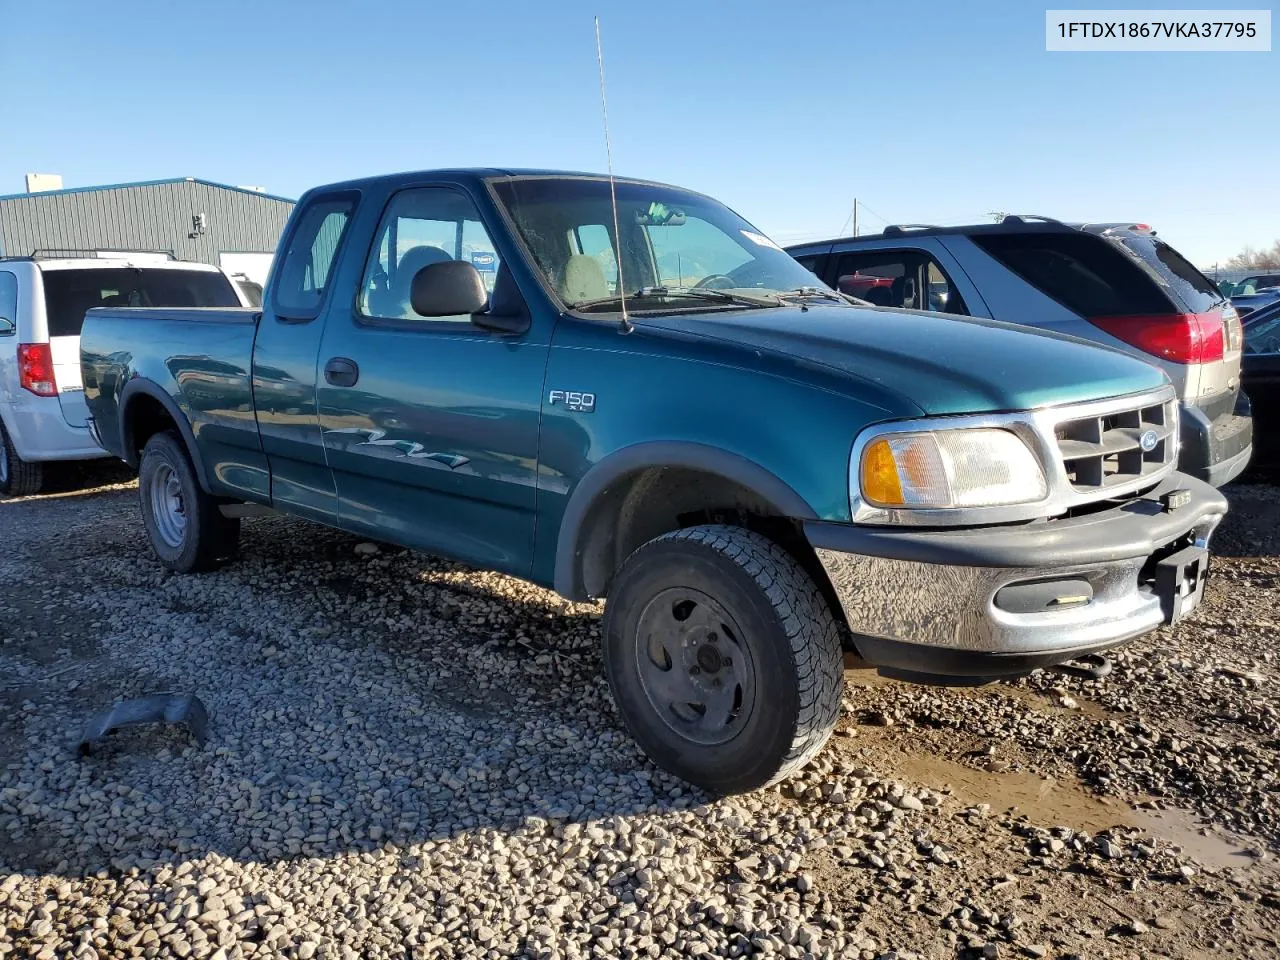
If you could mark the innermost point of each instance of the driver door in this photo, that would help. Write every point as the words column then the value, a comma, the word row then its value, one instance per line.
column 431, row 425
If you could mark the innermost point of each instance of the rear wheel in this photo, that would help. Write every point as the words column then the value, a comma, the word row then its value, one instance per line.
column 18, row 477
column 186, row 529
column 723, row 657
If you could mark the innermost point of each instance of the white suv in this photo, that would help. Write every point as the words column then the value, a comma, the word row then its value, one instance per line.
column 42, row 306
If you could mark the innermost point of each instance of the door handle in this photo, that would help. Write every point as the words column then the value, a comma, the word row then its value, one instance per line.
column 341, row 372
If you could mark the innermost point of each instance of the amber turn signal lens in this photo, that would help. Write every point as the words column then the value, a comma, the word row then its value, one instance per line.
column 880, row 481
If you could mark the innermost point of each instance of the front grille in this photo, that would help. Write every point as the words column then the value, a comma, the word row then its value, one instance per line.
column 1105, row 451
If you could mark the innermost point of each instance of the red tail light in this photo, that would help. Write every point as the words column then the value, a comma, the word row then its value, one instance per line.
column 1180, row 337
column 35, row 369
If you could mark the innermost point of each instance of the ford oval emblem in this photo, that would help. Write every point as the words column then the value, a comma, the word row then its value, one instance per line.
column 1148, row 441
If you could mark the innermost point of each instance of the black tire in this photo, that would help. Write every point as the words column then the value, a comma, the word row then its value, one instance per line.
column 786, row 689
column 18, row 477
column 202, row 537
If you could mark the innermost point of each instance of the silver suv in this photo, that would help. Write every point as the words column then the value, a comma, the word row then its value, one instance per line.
column 1116, row 284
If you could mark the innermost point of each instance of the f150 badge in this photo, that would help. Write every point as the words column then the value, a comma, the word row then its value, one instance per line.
column 573, row 400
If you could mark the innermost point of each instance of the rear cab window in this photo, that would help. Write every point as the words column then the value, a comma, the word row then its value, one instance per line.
column 69, row 293
column 313, row 245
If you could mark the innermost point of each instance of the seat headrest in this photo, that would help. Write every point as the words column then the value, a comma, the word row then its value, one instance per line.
column 880, row 296
column 583, row 279
column 414, row 259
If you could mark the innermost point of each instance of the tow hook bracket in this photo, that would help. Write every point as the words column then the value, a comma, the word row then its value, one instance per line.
column 180, row 708
column 1092, row 666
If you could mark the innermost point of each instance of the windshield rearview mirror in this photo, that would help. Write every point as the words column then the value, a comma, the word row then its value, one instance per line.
column 447, row 289
column 7, row 328
column 660, row 215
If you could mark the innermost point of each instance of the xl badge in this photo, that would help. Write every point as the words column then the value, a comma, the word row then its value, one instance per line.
column 574, row 400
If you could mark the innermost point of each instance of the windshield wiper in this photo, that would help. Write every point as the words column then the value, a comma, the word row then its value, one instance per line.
column 804, row 294
column 688, row 293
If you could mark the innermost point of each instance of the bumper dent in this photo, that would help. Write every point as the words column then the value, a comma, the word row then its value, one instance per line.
column 926, row 600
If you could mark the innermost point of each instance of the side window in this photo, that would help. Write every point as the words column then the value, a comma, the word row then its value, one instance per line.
column 1082, row 272
column 420, row 227
column 886, row 279
column 943, row 296
column 8, row 302
column 899, row 278
column 307, row 263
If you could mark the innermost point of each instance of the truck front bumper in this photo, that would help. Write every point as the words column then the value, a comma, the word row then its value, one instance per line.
column 965, row 604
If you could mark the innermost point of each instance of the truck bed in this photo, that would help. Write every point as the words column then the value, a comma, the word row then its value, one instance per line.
column 200, row 359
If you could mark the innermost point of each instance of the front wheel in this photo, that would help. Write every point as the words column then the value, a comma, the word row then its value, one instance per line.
column 723, row 657
column 186, row 529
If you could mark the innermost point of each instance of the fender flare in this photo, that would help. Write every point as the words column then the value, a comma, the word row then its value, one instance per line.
column 141, row 386
column 596, row 481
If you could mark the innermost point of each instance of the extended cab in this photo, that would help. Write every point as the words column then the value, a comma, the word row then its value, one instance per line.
column 651, row 402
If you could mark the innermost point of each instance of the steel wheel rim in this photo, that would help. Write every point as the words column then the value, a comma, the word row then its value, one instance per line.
column 694, row 666
column 168, row 509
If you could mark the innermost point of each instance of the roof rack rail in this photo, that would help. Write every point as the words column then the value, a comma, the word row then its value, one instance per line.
column 894, row 229
column 1016, row 218
column 53, row 253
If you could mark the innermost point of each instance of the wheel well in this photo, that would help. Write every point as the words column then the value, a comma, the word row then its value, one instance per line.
column 144, row 418
column 656, row 500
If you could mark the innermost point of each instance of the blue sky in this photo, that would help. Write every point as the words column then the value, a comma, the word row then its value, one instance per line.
column 926, row 111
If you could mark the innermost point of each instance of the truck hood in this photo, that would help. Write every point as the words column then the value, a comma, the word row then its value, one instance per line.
column 943, row 364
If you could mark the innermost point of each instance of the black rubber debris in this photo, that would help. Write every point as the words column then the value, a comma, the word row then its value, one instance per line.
column 180, row 708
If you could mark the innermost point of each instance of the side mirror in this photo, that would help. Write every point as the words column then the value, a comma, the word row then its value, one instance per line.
column 447, row 289
column 7, row 327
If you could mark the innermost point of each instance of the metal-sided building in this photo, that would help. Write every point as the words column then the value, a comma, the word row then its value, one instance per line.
column 232, row 227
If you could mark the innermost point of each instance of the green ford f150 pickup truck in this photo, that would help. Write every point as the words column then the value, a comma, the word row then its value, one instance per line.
column 750, row 468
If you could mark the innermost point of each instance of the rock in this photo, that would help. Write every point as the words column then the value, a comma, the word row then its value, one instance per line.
column 909, row 802
column 1136, row 928
column 366, row 549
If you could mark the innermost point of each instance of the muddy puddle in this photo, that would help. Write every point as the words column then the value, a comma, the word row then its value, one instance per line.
column 1045, row 801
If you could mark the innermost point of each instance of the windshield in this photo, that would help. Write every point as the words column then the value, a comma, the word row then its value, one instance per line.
column 678, row 248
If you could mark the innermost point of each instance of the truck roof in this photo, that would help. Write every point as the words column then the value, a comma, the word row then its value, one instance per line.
column 476, row 174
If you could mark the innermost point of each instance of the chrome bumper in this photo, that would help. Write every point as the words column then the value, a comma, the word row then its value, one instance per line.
column 930, row 596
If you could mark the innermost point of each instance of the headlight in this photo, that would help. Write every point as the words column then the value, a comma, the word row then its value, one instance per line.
column 942, row 469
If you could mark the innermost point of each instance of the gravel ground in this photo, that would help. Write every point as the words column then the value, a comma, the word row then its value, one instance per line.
column 412, row 759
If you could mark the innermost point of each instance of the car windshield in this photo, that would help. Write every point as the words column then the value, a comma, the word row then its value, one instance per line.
column 680, row 250
column 1263, row 335
column 1262, row 282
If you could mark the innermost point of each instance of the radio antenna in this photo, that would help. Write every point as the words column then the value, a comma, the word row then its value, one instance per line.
column 626, row 325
